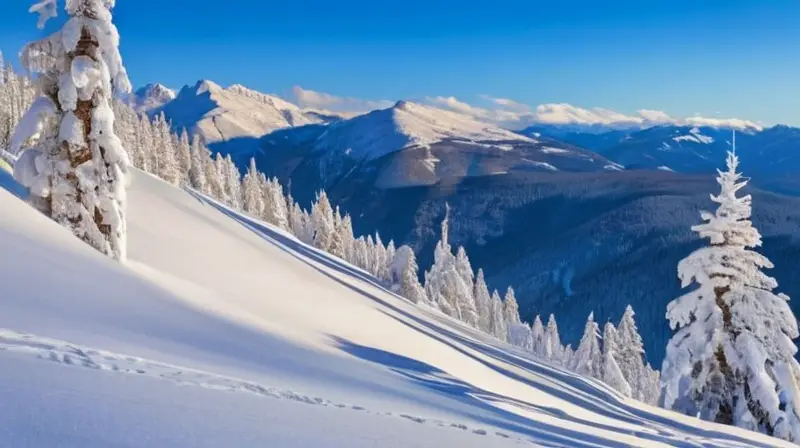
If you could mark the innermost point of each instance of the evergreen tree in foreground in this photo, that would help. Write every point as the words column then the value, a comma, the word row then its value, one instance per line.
column 731, row 359
column 76, row 170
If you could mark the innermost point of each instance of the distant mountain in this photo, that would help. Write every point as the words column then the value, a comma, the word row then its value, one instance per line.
column 407, row 145
column 770, row 155
column 150, row 97
column 221, row 115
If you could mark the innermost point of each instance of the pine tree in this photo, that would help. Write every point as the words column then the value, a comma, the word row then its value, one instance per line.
column 511, row 307
column 612, row 374
column 629, row 356
column 252, row 197
column 444, row 285
column 348, row 239
column 197, row 172
column 322, row 219
column 337, row 239
column 407, row 273
column 731, row 359
column 553, row 349
column 499, row 324
column 213, row 178
column 391, row 251
column 483, row 303
column 379, row 269
column 233, row 184
column 537, row 333
column 587, row 359
column 184, row 157
column 168, row 168
column 80, row 164
column 468, row 308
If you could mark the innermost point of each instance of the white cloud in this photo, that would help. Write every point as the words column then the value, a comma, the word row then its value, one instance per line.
column 331, row 103
column 512, row 114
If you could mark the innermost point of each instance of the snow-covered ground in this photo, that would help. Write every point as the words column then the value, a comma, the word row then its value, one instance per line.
column 221, row 331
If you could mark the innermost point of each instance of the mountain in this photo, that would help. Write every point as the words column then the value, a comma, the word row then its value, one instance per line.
column 151, row 97
column 223, row 331
column 407, row 145
column 767, row 153
column 224, row 115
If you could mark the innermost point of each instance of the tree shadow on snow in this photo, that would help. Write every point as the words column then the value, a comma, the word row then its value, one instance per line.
column 581, row 392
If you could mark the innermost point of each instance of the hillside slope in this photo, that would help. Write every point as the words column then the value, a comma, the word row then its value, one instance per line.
column 221, row 331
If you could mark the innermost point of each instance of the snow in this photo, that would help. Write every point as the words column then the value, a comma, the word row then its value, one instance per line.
column 549, row 150
column 151, row 97
column 695, row 136
column 407, row 124
column 223, row 331
column 219, row 114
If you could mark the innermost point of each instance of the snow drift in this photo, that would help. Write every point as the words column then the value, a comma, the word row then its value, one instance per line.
column 272, row 342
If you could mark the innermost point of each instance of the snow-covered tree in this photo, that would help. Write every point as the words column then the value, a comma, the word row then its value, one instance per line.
column 184, row 156
column 276, row 208
column 611, row 373
column 379, row 269
column 232, row 183
column 252, row 197
column 499, row 325
column 406, row 273
column 348, row 239
column 553, row 349
column 322, row 219
column 77, row 165
column 519, row 335
column 483, row 303
column 630, row 358
column 537, row 333
column 444, row 285
column 337, row 238
column 511, row 307
column 214, row 179
column 731, row 359
column 199, row 161
column 587, row 359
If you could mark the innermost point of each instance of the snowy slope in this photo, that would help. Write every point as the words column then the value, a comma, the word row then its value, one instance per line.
column 406, row 124
column 221, row 331
column 220, row 114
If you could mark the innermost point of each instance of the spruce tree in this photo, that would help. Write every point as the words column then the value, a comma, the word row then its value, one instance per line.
column 80, row 163
column 731, row 359
column 587, row 359
column 483, row 303
column 553, row 349
column 611, row 373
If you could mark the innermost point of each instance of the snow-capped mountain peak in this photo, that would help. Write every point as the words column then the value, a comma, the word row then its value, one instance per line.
column 407, row 124
column 152, row 96
column 220, row 114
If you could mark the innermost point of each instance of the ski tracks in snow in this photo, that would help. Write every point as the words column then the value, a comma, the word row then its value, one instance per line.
column 68, row 354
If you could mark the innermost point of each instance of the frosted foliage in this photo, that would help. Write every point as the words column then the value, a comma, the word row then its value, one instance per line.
column 483, row 303
column 511, row 307
column 322, row 219
column 734, row 335
column 537, row 333
column 519, row 334
column 553, row 349
column 406, row 271
column 499, row 326
column 47, row 9
column 630, row 358
column 587, row 358
column 445, row 285
column 611, row 372
column 33, row 122
column 85, row 171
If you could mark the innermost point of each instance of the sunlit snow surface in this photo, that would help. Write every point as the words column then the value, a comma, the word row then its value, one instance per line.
column 222, row 331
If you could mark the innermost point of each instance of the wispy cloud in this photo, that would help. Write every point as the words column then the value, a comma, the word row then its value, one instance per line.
column 514, row 114
column 331, row 103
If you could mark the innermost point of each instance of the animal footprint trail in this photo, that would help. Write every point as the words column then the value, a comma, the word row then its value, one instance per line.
column 68, row 354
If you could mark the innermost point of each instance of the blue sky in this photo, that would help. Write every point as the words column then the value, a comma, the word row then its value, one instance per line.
column 715, row 58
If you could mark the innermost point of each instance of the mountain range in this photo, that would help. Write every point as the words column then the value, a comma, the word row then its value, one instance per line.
column 577, row 218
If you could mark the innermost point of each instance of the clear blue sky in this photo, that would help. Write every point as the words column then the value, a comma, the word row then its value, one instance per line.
column 714, row 57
